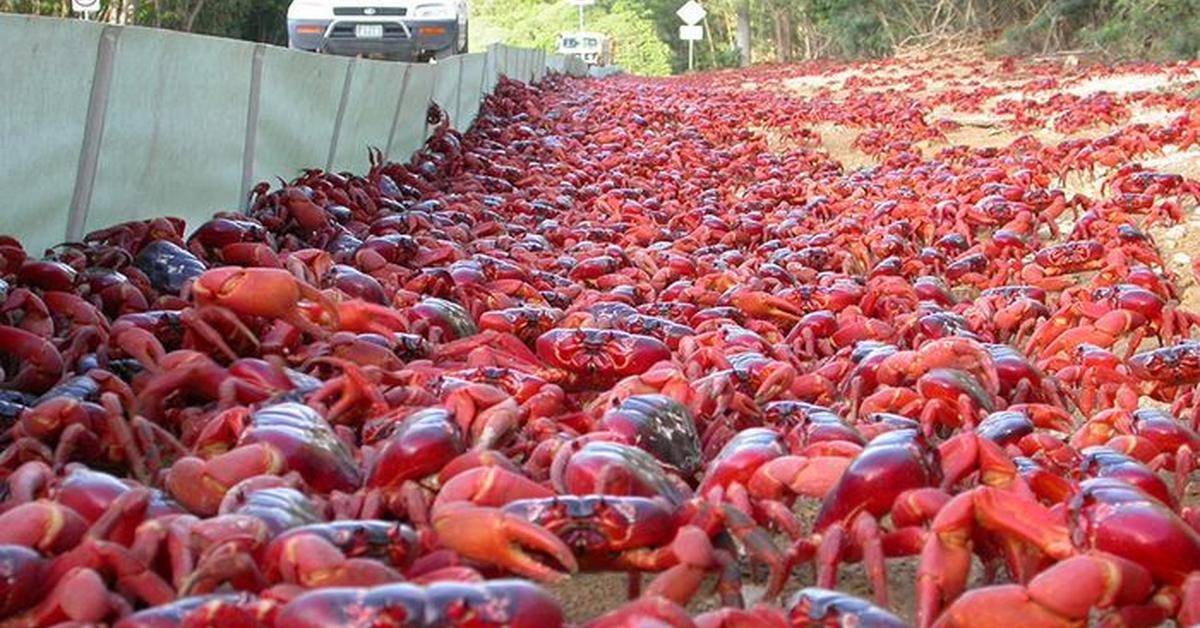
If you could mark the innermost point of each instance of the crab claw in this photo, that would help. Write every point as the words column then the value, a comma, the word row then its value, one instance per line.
column 265, row 292
column 467, row 519
column 41, row 363
column 764, row 305
column 778, row 378
column 494, row 536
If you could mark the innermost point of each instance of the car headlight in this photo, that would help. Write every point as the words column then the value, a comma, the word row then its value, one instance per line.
column 441, row 11
column 300, row 9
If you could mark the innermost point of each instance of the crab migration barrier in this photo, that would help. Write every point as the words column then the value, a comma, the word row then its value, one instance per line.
column 103, row 124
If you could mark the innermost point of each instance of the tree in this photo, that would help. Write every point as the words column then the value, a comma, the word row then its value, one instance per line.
column 743, row 32
column 256, row 20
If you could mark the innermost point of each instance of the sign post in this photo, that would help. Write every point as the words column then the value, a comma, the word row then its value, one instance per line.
column 691, row 14
column 85, row 6
column 691, row 34
column 581, row 4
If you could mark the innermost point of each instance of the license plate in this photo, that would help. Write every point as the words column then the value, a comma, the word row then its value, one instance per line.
column 368, row 31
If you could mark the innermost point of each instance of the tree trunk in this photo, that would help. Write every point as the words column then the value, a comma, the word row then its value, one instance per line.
column 887, row 29
column 712, row 43
column 130, row 13
column 780, row 54
column 743, row 30
column 192, row 15
column 783, row 35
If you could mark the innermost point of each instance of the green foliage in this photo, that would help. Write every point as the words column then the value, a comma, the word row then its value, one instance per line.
column 638, row 48
column 646, row 32
column 537, row 23
column 716, row 51
column 254, row 20
column 36, row 7
column 1153, row 30
column 1121, row 29
column 855, row 28
column 520, row 22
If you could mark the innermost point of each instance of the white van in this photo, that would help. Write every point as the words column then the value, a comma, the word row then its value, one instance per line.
column 403, row 30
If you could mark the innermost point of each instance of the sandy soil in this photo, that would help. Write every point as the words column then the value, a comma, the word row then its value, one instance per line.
column 1126, row 83
column 809, row 85
column 982, row 128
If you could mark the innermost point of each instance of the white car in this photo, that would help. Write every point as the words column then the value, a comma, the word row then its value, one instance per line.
column 403, row 30
column 593, row 48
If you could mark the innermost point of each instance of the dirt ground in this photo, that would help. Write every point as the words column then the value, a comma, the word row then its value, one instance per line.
column 587, row 595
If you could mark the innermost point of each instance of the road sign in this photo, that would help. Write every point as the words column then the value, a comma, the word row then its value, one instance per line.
column 691, row 13
column 85, row 6
column 691, row 34
column 580, row 4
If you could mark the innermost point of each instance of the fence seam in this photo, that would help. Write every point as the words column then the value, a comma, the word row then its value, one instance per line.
column 484, row 90
column 437, row 78
column 458, row 95
column 341, row 114
column 387, row 151
column 253, row 110
column 93, row 133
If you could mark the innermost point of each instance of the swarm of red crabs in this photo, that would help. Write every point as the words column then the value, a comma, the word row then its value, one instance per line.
column 613, row 328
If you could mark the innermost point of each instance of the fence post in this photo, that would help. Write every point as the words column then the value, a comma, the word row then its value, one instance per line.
column 93, row 134
column 252, row 113
column 341, row 114
column 484, row 87
column 437, row 76
column 387, row 152
column 458, row 97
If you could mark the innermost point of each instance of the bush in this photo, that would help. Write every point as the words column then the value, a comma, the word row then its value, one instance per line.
column 638, row 48
column 1122, row 29
column 857, row 33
